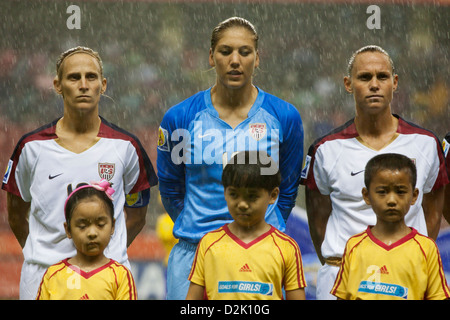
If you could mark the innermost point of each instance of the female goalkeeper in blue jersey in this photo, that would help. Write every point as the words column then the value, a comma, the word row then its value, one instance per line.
column 200, row 134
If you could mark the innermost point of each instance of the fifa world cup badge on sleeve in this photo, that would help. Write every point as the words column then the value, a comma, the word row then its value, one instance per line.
column 446, row 147
column 8, row 172
column 305, row 169
column 163, row 143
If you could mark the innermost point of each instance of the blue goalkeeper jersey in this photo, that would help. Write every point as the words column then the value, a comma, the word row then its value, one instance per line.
column 194, row 144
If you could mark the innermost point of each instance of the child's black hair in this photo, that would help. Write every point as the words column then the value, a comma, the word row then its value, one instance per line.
column 390, row 161
column 86, row 193
column 251, row 169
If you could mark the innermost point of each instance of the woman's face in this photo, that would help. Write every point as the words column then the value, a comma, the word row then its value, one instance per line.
column 235, row 58
column 81, row 83
column 372, row 83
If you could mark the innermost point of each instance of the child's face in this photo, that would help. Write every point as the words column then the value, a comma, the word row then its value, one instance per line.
column 91, row 227
column 248, row 206
column 390, row 194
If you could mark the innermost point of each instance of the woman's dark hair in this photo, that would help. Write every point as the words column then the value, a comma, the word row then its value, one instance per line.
column 229, row 23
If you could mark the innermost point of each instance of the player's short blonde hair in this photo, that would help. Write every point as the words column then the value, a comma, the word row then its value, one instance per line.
column 74, row 50
column 369, row 48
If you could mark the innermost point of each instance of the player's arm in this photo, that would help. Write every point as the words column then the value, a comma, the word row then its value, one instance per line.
column 433, row 204
column 446, row 211
column 173, row 205
column 18, row 211
column 291, row 160
column 135, row 213
column 195, row 292
column 135, row 221
column 171, row 175
column 297, row 294
column 318, row 209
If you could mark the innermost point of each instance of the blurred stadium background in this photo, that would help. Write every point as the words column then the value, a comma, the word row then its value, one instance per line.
column 155, row 54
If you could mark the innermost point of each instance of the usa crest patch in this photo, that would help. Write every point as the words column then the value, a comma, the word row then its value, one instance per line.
column 258, row 130
column 106, row 170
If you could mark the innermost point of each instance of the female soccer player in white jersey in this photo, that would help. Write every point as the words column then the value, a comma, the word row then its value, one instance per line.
column 333, row 172
column 446, row 147
column 198, row 135
column 50, row 162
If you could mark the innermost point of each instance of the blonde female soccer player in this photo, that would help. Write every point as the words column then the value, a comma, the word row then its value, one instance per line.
column 334, row 167
column 88, row 275
column 50, row 162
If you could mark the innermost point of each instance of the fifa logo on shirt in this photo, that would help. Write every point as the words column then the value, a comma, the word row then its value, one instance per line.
column 203, row 145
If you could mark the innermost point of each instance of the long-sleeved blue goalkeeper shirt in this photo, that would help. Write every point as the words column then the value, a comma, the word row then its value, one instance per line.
column 194, row 144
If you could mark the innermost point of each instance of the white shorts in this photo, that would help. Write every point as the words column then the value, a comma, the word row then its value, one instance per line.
column 326, row 277
column 30, row 280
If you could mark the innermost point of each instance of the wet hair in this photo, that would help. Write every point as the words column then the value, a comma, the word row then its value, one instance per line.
column 390, row 161
column 369, row 48
column 74, row 50
column 83, row 194
column 230, row 23
column 246, row 170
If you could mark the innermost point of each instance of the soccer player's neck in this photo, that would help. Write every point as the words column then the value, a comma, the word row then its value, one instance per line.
column 79, row 122
column 233, row 105
column 376, row 131
column 233, row 96
column 375, row 124
column 77, row 136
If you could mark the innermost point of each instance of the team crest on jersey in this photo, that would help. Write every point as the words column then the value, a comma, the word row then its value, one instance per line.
column 106, row 170
column 258, row 130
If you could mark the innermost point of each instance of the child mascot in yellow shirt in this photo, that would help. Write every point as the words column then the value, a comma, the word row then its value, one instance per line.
column 89, row 275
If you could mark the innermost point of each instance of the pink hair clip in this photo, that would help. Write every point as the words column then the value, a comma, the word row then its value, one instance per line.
column 103, row 185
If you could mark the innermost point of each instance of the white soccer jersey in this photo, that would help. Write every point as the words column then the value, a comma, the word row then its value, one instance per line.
column 44, row 173
column 335, row 166
column 446, row 147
